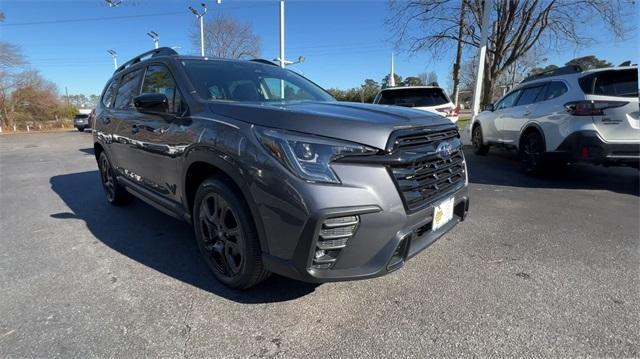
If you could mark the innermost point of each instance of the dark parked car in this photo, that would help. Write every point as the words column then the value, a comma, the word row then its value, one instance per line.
column 81, row 121
column 273, row 173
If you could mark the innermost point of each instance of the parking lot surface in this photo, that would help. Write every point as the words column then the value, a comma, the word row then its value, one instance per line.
column 542, row 267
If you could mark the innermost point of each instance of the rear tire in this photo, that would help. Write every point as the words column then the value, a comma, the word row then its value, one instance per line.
column 81, row 129
column 532, row 153
column 476, row 139
column 116, row 194
column 226, row 235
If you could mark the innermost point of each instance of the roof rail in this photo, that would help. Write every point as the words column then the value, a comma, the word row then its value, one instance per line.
column 565, row 70
column 266, row 62
column 162, row 51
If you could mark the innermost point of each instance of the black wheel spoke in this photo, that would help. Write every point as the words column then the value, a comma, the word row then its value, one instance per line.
column 221, row 235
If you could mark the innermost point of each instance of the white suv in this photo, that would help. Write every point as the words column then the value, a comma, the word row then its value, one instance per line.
column 426, row 98
column 568, row 115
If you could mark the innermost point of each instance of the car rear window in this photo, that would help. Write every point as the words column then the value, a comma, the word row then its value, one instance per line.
column 622, row 83
column 82, row 116
column 422, row 97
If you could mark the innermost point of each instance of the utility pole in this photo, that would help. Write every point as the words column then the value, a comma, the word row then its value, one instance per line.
column 114, row 55
column 456, row 65
column 392, row 77
column 482, row 55
column 282, row 58
column 200, row 17
column 155, row 37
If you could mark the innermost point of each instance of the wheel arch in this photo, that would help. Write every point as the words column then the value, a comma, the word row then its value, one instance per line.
column 531, row 127
column 203, row 163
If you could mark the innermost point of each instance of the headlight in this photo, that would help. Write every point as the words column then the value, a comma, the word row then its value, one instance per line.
column 307, row 156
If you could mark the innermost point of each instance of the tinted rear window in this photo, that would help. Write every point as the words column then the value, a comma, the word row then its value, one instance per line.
column 414, row 97
column 622, row 83
column 82, row 116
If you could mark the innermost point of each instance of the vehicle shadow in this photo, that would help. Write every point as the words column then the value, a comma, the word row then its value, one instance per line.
column 87, row 151
column 501, row 167
column 156, row 240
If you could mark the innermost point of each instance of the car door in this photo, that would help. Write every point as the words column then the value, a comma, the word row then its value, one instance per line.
column 520, row 113
column 502, row 110
column 123, row 116
column 160, row 137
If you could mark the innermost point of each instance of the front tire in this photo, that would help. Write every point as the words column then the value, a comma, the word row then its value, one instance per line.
column 477, row 141
column 226, row 235
column 81, row 129
column 116, row 194
column 532, row 153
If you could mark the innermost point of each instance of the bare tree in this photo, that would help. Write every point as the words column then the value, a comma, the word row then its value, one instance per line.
column 516, row 27
column 226, row 37
column 11, row 60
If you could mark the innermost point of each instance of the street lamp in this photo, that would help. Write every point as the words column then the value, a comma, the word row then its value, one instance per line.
column 113, row 3
column 114, row 55
column 155, row 37
column 200, row 17
column 287, row 62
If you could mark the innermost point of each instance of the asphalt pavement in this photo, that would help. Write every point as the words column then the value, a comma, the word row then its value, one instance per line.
column 543, row 267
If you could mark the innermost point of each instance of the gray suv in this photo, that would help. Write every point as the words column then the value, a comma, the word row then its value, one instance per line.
column 273, row 173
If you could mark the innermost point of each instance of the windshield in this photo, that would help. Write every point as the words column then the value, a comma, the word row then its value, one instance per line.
column 414, row 97
column 250, row 82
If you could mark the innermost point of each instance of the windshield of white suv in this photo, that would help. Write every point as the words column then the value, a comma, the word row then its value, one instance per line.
column 250, row 82
column 622, row 83
column 414, row 97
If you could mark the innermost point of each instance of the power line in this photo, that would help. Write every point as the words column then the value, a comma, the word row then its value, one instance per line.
column 91, row 19
column 64, row 21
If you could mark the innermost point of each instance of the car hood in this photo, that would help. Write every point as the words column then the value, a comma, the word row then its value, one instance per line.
column 366, row 124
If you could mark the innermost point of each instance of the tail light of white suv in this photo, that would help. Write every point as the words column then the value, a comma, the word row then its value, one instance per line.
column 591, row 107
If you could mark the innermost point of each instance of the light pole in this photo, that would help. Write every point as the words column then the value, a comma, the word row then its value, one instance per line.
column 282, row 58
column 155, row 37
column 114, row 55
column 484, row 34
column 200, row 17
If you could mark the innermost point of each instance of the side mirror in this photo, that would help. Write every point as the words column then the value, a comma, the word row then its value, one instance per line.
column 489, row 107
column 154, row 103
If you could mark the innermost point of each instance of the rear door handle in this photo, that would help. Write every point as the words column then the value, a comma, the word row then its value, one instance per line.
column 106, row 120
column 135, row 129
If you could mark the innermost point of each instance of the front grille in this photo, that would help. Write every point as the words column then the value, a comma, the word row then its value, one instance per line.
column 422, row 138
column 421, row 174
column 425, row 180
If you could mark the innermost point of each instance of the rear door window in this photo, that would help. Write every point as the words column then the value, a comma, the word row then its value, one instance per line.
column 129, row 88
column 554, row 89
column 528, row 95
column 416, row 97
column 621, row 83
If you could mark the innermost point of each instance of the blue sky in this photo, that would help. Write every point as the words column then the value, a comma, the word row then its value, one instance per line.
column 344, row 42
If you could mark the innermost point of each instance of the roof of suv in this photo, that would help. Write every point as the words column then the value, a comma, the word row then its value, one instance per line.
column 171, row 53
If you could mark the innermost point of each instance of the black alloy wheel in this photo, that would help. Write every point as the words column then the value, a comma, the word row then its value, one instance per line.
column 226, row 235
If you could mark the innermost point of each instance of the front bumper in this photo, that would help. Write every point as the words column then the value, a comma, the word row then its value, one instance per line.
column 588, row 146
column 367, row 191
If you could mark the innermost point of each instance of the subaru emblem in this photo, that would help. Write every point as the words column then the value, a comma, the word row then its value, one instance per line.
column 444, row 149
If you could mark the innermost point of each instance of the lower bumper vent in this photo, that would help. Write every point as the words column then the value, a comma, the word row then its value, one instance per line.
column 333, row 236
